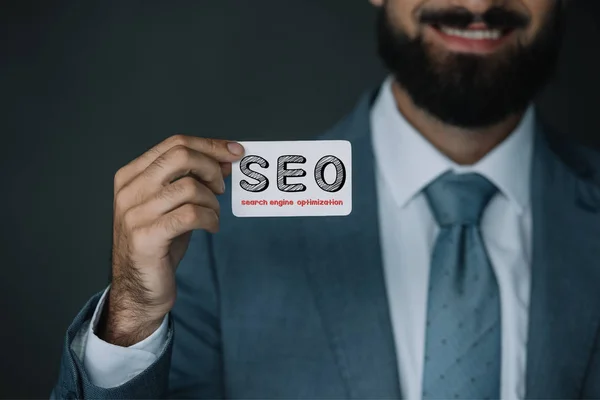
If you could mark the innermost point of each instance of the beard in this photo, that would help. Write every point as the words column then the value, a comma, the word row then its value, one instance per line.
column 468, row 90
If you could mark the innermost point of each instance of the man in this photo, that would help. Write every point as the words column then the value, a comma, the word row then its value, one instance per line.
column 467, row 269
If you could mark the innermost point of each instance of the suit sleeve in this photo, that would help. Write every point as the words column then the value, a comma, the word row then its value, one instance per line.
column 189, row 365
column 109, row 365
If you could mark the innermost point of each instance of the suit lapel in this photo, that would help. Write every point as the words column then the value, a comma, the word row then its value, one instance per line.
column 345, row 271
column 563, row 313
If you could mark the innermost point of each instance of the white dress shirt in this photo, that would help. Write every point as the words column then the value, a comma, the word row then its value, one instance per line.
column 405, row 164
column 109, row 366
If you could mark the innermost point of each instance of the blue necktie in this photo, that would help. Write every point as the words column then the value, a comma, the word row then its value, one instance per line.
column 462, row 344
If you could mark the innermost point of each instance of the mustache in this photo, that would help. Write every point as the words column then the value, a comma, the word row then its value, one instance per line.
column 460, row 17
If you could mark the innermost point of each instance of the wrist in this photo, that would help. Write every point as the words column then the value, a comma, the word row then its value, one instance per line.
column 124, row 324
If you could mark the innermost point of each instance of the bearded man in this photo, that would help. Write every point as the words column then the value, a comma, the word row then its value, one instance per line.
column 468, row 268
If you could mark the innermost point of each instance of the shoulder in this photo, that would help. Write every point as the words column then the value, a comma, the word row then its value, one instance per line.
column 583, row 160
column 355, row 125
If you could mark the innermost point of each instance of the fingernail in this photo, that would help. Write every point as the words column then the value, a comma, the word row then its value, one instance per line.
column 235, row 148
column 223, row 186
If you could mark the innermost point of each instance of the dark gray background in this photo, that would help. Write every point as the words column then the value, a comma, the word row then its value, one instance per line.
column 86, row 86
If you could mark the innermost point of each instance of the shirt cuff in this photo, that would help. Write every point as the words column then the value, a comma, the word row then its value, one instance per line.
column 108, row 365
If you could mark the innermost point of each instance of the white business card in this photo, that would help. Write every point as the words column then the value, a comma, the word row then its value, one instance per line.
column 293, row 178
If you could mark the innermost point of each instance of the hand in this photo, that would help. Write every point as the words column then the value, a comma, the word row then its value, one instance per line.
column 159, row 198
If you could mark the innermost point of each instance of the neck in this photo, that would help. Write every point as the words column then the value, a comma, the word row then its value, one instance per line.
column 463, row 146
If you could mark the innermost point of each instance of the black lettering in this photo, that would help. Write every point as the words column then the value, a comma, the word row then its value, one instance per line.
column 340, row 174
column 263, row 182
column 283, row 173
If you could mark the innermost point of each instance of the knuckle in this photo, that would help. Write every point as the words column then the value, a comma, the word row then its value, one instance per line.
column 181, row 153
column 129, row 220
column 179, row 140
column 211, row 144
column 189, row 214
column 120, row 202
column 190, row 187
column 119, row 178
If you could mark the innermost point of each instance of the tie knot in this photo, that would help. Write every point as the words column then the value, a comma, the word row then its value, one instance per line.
column 459, row 198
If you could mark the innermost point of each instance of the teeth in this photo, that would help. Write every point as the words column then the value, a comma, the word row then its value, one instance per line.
column 473, row 34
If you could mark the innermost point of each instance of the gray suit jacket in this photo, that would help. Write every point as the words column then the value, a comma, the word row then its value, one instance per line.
column 296, row 307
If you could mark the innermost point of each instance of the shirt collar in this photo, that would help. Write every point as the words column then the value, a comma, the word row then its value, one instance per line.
column 408, row 162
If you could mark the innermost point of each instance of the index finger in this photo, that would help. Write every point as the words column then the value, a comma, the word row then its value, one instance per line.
column 224, row 151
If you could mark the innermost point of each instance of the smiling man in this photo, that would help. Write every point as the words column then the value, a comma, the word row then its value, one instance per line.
column 468, row 268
